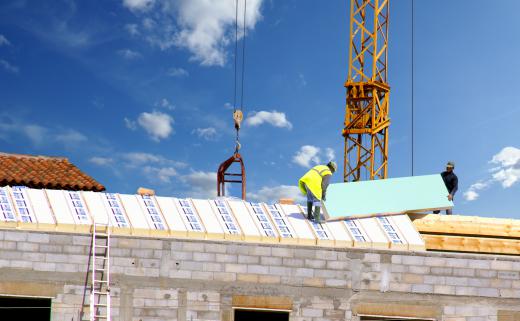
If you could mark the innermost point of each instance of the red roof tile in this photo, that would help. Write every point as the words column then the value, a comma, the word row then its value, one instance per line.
column 44, row 172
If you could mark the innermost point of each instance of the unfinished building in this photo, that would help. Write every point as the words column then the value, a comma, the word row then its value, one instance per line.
column 164, row 258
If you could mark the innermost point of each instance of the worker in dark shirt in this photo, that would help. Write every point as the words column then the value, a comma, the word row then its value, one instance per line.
column 451, row 181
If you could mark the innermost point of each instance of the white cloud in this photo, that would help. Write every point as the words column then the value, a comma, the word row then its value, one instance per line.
column 129, row 54
column 4, row 41
column 164, row 103
column 506, row 172
column 163, row 174
column 274, row 193
column 470, row 195
column 205, row 28
column 132, row 29
column 473, row 192
column 70, row 136
column 36, row 133
column 138, row 159
column 201, row 184
column 130, row 124
column 303, row 82
column 209, row 133
column 138, row 5
column 177, row 72
column 101, row 161
column 307, row 156
column 329, row 153
column 158, row 125
column 274, row 118
column 9, row 67
column 12, row 128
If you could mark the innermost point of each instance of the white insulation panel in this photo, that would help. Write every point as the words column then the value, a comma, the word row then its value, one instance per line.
column 222, row 219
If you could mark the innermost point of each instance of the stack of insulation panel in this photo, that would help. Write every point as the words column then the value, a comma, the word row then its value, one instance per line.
column 219, row 219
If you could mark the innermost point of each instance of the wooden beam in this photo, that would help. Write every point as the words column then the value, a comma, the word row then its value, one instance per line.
column 466, row 225
column 471, row 244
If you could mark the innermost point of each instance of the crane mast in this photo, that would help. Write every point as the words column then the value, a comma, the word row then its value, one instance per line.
column 367, row 102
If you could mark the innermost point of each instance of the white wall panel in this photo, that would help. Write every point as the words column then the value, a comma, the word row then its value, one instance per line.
column 135, row 214
column 246, row 220
column 172, row 216
column 299, row 223
column 212, row 225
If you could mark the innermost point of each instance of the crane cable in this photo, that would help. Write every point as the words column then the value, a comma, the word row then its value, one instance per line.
column 413, row 31
column 238, row 114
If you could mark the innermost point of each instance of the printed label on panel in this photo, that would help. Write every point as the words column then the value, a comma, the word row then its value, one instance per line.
column 153, row 212
column 21, row 201
column 191, row 216
column 78, row 206
column 6, row 206
column 355, row 230
column 116, row 209
column 225, row 214
column 279, row 221
column 390, row 230
column 320, row 232
column 262, row 218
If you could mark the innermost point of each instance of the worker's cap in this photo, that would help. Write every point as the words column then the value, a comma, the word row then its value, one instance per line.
column 450, row 164
column 333, row 166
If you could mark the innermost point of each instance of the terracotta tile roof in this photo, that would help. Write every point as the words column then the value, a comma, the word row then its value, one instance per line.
column 44, row 172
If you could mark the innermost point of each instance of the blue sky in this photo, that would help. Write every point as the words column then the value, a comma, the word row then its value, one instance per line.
column 138, row 92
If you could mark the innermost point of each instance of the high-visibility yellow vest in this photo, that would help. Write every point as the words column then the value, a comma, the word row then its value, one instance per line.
column 313, row 180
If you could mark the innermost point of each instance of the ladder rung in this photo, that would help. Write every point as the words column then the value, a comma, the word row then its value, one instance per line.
column 101, row 281
column 101, row 316
column 103, row 246
column 100, row 305
column 97, row 269
column 100, row 293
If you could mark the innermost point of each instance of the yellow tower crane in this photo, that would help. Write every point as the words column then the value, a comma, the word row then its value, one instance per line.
column 366, row 118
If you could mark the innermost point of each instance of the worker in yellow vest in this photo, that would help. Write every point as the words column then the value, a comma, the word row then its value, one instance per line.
column 314, row 184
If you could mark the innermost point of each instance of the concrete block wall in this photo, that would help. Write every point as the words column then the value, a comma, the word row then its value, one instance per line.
column 165, row 279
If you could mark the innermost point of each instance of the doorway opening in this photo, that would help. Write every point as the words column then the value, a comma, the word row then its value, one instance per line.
column 25, row 308
column 260, row 315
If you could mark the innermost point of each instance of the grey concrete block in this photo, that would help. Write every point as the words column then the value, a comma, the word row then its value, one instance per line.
column 282, row 252
column 372, row 258
column 56, row 258
column 38, row 238
column 248, row 259
column 442, row 271
column 315, row 264
column 152, row 244
column 292, row 262
column 419, row 269
column 413, row 260
column 465, row 290
column 451, row 280
column 309, row 312
column 17, row 236
column 422, row 288
column 502, row 265
column 81, row 240
column 257, row 269
column 280, row 270
column 42, row 266
column 235, row 268
column 226, row 258
column 270, row 260
column 463, row 272
column 260, row 250
column 486, row 273
column 488, row 292
column 203, row 257
column 200, row 275
column 305, row 254
column 28, row 247
column 328, row 255
column 212, row 267
column 214, row 248
column 304, row 272
column 444, row 289
column 192, row 247
column 508, row 275
column 8, row 245
column 456, row 263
